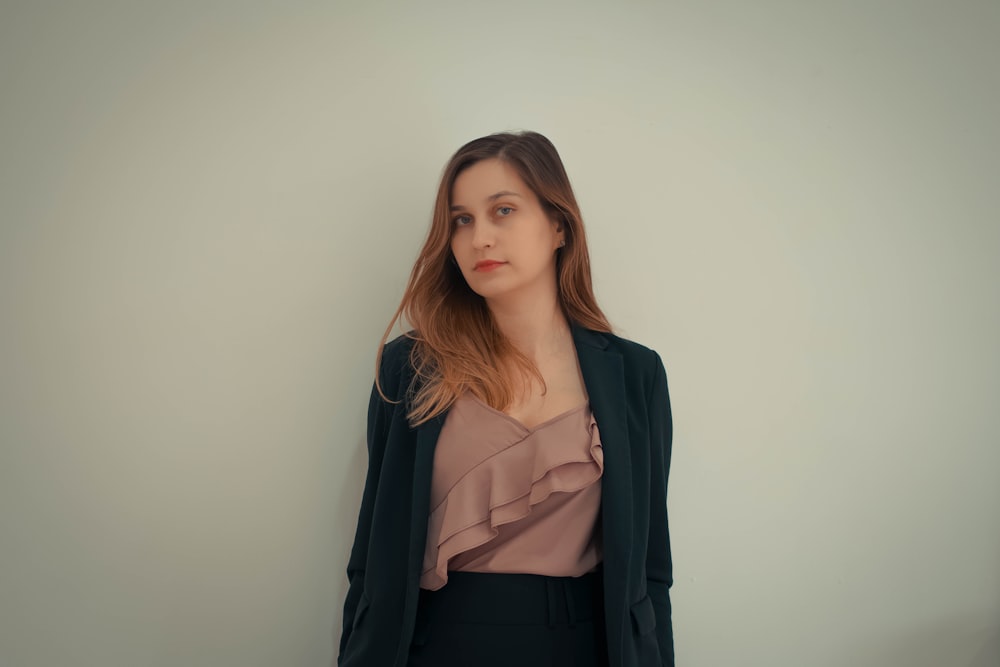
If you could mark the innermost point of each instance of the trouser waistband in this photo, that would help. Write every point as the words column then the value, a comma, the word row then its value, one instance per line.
column 514, row 599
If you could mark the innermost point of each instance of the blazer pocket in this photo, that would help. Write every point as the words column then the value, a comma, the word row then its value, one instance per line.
column 643, row 616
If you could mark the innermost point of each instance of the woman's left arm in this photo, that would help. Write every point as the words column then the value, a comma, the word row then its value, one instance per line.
column 659, row 566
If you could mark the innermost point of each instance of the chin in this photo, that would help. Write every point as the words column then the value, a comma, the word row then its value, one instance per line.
column 489, row 291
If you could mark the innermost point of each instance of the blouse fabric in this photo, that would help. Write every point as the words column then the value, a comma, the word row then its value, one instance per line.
column 507, row 498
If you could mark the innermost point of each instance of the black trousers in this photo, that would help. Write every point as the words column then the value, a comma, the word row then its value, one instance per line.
column 511, row 620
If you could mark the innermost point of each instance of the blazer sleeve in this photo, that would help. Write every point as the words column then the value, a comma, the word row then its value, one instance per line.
column 659, row 565
column 379, row 417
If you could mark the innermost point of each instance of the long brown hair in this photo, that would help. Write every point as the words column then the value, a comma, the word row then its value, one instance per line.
column 457, row 344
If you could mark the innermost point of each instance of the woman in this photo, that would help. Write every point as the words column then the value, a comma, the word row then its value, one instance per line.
column 514, row 511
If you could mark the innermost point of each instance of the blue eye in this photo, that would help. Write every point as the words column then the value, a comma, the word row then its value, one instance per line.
column 505, row 207
column 458, row 221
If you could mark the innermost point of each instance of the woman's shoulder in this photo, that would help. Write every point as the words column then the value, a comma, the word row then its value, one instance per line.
column 395, row 369
column 398, row 349
column 631, row 351
column 641, row 364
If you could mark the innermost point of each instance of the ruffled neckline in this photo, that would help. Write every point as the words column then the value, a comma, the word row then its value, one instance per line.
column 519, row 423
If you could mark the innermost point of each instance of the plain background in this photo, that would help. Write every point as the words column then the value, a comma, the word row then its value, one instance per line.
column 208, row 212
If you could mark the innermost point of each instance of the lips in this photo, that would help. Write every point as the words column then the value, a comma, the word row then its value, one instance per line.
column 488, row 264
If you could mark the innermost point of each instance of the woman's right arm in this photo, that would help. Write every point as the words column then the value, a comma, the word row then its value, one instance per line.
column 379, row 417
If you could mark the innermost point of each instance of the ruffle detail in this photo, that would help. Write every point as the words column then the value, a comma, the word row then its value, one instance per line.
column 505, row 487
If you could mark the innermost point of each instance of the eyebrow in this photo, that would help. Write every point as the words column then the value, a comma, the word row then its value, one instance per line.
column 493, row 197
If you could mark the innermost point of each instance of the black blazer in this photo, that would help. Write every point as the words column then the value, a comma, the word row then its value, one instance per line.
column 627, row 386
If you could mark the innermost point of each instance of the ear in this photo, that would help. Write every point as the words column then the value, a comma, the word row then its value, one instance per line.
column 560, row 234
column 557, row 221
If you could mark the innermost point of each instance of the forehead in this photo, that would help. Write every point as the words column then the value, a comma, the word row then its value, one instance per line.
column 477, row 183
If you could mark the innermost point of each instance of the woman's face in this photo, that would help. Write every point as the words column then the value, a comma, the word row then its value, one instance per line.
column 502, row 239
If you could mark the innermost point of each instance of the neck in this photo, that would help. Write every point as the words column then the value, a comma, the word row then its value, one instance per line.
column 537, row 328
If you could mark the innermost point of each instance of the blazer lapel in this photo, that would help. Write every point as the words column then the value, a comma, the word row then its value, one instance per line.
column 604, row 375
column 423, row 469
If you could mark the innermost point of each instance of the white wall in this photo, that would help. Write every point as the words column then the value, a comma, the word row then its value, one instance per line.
column 208, row 212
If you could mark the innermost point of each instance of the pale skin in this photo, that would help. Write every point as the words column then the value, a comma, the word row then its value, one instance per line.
column 496, row 216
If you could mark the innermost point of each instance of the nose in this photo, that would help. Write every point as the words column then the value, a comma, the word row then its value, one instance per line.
column 483, row 235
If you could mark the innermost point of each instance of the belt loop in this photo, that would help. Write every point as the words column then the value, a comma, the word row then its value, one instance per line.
column 550, row 594
column 570, row 606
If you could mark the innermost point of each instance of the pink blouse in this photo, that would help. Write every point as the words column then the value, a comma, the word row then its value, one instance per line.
column 506, row 498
